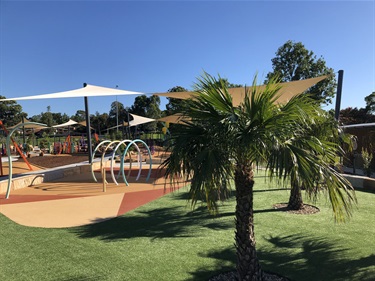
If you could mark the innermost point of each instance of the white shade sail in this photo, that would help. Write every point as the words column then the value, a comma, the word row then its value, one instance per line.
column 138, row 120
column 66, row 124
column 88, row 91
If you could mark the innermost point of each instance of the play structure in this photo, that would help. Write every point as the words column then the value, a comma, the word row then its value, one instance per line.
column 7, row 149
column 9, row 138
column 118, row 151
column 105, row 146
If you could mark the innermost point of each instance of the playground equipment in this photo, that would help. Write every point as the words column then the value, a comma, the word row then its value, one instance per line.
column 103, row 148
column 14, row 142
column 9, row 138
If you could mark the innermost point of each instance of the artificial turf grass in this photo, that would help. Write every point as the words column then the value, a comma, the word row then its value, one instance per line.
column 166, row 240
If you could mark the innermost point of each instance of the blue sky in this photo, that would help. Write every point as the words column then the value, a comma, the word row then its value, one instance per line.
column 152, row 46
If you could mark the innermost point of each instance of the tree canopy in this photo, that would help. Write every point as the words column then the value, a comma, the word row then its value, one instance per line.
column 175, row 105
column 370, row 103
column 294, row 62
column 10, row 112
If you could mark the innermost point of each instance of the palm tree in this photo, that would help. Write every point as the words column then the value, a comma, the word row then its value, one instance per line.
column 222, row 142
column 320, row 132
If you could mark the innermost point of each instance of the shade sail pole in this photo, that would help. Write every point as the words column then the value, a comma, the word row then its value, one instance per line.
column 338, row 95
column 88, row 127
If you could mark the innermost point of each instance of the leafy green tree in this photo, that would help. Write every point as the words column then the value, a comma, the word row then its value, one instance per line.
column 351, row 115
column 58, row 118
column 223, row 142
column 117, row 114
column 79, row 116
column 147, row 107
column 99, row 122
column 140, row 105
column 10, row 112
column 370, row 103
column 175, row 105
column 294, row 62
column 153, row 111
column 228, row 84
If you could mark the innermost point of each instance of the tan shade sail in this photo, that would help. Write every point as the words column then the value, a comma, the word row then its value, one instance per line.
column 175, row 118
column 88, row 91
column 287, row 91
column 28, row 126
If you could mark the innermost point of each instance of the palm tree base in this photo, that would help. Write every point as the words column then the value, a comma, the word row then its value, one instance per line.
column 232, row 276
column 305, row 210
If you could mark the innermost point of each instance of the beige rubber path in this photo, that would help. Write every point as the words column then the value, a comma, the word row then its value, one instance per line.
column 78, row 201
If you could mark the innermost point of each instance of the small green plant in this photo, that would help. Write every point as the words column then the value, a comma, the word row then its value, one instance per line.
column 367, row 158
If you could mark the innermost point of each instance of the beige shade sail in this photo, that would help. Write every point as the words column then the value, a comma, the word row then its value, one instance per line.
column 175, row 118
column 28, row 126
column 287, row 91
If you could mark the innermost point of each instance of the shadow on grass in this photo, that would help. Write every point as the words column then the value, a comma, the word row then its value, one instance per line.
column 225, row 261
column 166, row 222
column 318, row 260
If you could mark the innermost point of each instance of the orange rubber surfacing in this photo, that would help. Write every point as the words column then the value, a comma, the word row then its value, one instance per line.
column 77, row 201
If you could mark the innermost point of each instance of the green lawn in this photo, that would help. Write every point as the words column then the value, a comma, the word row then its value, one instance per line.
column 166, row 240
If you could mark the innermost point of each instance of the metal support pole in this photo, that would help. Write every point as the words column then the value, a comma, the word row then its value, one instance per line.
column 338, row 94
column 127, row 113
column 88, row 127
column 23, row 131
column 104, row 172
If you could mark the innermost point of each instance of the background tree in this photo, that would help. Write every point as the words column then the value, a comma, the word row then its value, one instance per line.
column 175, row 105
column 10, row 112
column 140, row 105
column 294, row 62
column 153, row 111
column 117, row 113
column 79, row 116
column 59, row 118
column 99, row 122
column 147, row 107
column 228, row 84
column 370, row 103
column 354, row 115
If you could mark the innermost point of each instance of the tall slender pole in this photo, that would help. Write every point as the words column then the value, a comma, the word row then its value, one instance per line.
column 23, row 131
column 88, row 127
column 116, row 113
column 338, row 94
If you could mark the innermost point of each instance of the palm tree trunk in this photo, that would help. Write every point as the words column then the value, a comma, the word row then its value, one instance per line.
column 248, row 266
column 295, row 198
